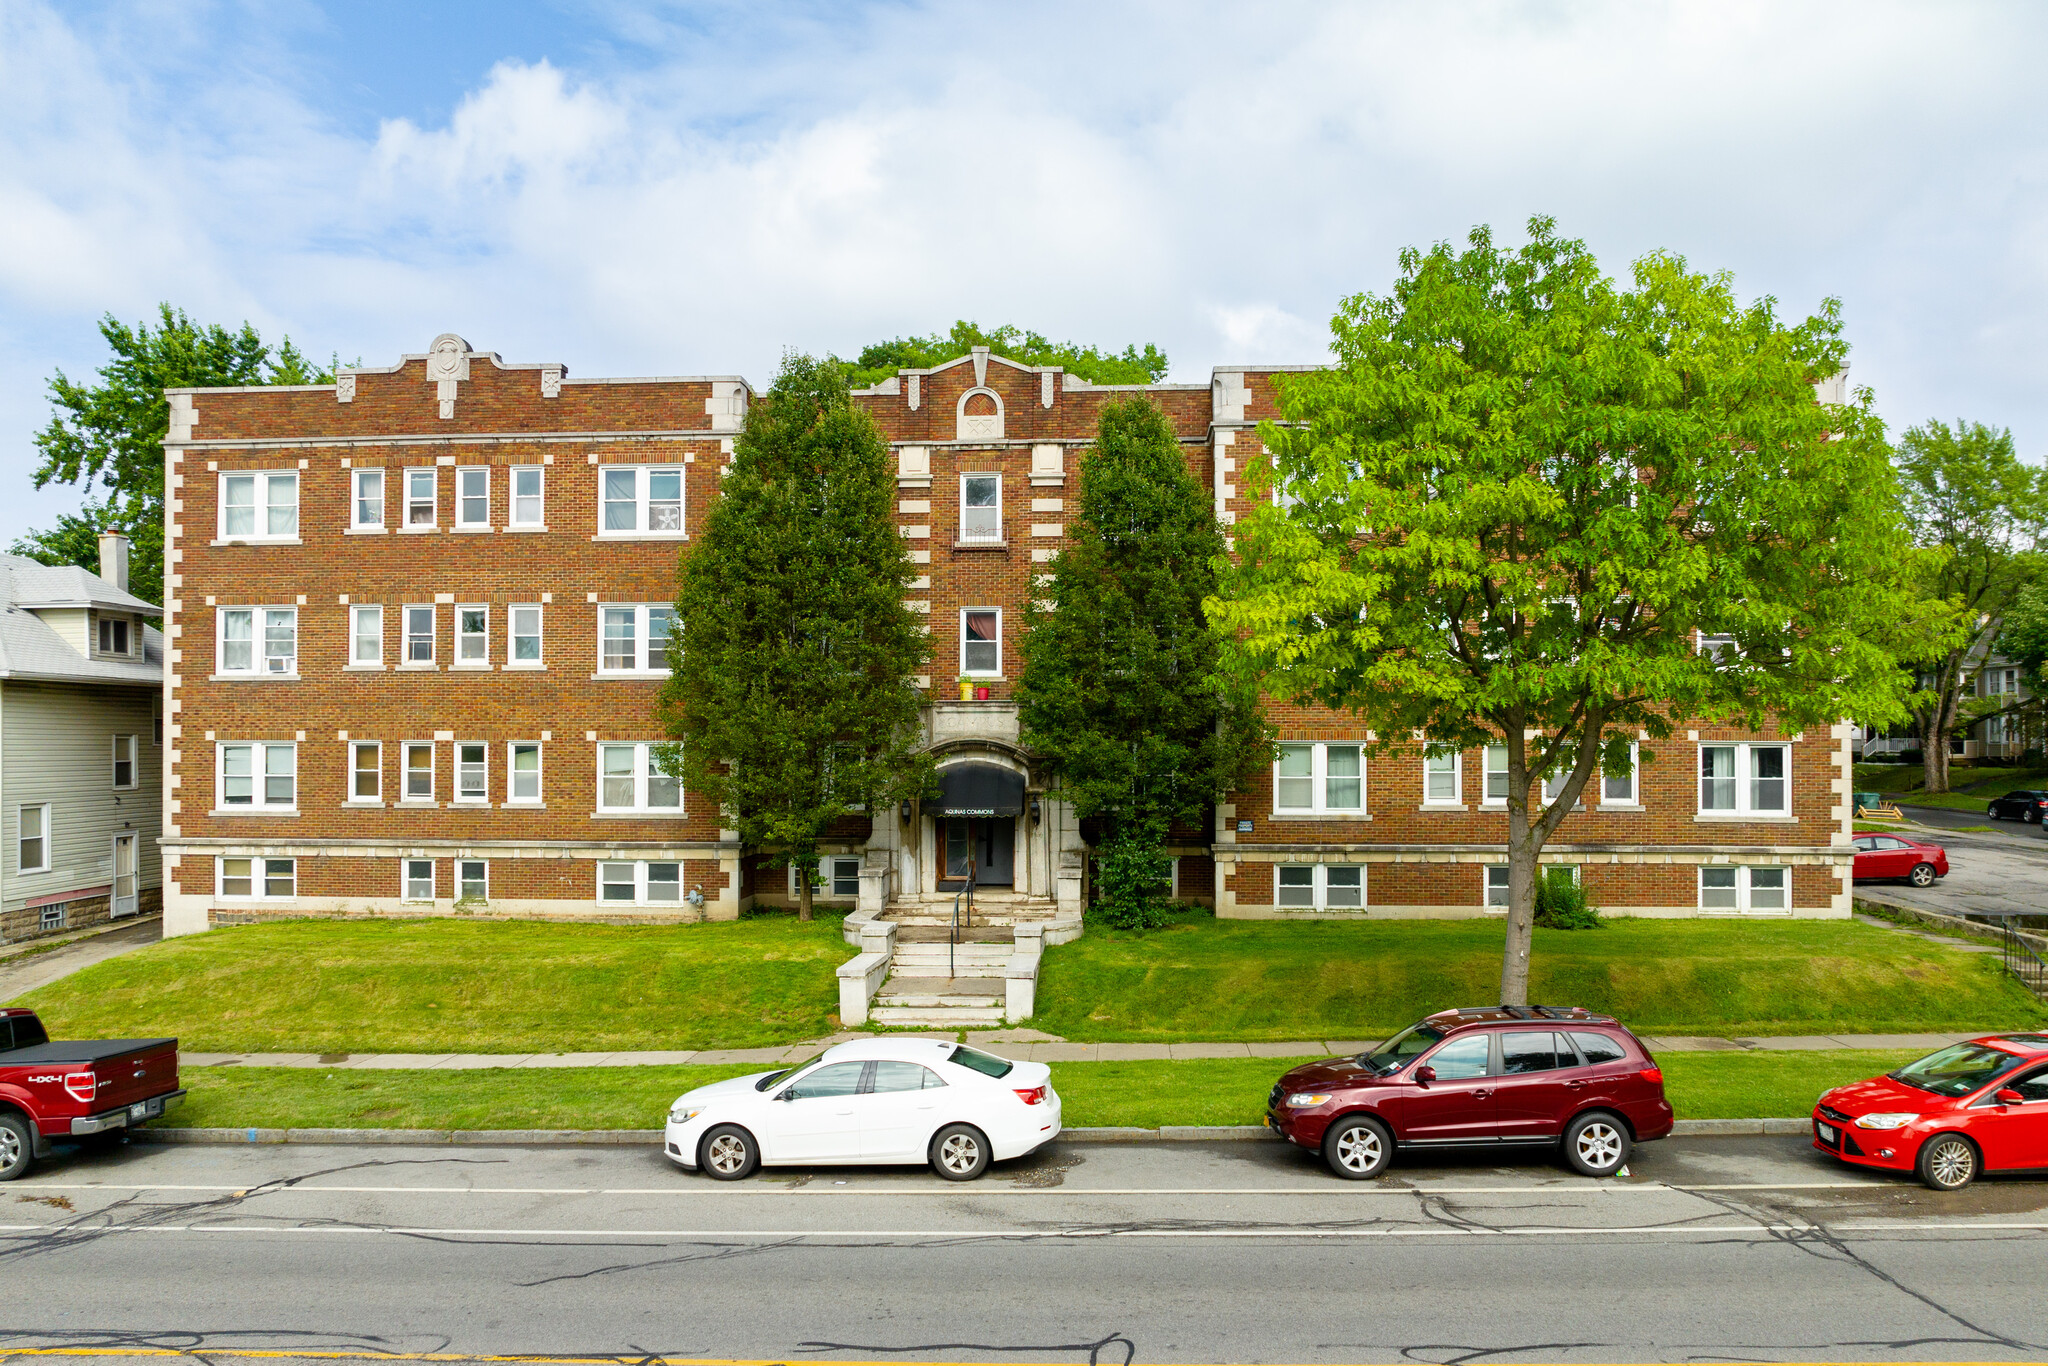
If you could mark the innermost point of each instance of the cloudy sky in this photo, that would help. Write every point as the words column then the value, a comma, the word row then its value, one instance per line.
column 673, row 188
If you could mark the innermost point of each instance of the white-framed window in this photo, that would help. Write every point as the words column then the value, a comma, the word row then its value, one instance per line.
column 641, row 500
column 1765, row 890
column 419, row 635
column 1496, row 776
column 1746, row 779
column 981, row 507
column 256, row 879
column 126, row 768
column 473, row 498
column 1618, row 785
column 655, row 883
column 259, row 505
column 366, row 500
column 1497, row 880
column 422, row 497
column 116, row 635
column 838, row 878
column 1443, row 779
column 629, row 778
column 1319, row 886
column 366, row 771
column 258, row 641
column 419, row 771
column 632, row 638
column 366, row 637
column 472, row 879
column 472, row 772
column 522, row 636
column 1317, row 779
column 1717, row 646
column 529, row 505
column 257, row 775
column 522, row 765
column 981, row 642
column 416, row 877
column 1554, row 785
column 472, row 636
column 32, row 838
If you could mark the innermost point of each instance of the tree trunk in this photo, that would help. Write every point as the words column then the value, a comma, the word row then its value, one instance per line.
column 803, row 894
column 1522, row 851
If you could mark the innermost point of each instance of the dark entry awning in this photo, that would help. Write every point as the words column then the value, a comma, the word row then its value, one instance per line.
column 978, row 790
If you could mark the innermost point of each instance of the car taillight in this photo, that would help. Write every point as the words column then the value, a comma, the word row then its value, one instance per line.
column 83, row 1086
column 1653, row 1075
column 1035, row 1096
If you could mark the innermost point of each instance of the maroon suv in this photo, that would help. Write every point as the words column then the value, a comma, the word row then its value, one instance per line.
column 1480, row 1076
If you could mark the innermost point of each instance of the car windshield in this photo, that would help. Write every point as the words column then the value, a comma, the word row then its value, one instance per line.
column 1957, row 1070
column 1402, row 1049
column 984, row 1063
column 774, row 1077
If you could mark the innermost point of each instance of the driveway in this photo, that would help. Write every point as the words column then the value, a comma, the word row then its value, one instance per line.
column 2004, row 869
column 23, row 973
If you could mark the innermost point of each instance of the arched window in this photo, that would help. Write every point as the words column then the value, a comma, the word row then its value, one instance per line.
column 980, row 416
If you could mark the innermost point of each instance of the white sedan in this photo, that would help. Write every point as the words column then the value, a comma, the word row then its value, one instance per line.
column 872, row 1101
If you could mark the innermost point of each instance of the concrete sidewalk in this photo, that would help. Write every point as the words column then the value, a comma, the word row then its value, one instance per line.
column 1041, row 1048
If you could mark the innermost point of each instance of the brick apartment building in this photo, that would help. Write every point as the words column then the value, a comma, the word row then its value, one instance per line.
column 414, row 626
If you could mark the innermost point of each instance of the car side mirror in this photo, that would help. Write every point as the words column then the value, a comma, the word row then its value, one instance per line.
column 1424, row 1075
column 789, row 1094
column 2008, row 1096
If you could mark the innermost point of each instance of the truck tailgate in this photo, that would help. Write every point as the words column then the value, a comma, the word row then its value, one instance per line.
column 137, row 1075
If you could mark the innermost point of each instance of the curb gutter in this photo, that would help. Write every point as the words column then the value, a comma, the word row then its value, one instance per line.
column 627, row 1138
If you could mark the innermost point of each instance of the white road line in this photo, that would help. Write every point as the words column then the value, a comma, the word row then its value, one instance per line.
column 1772, row 1228
column 770, row 1190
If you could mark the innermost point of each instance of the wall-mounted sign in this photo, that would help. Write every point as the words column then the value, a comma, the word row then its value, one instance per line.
column 1244, row 827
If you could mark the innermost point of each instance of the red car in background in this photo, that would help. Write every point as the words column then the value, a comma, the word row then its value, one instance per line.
column 1970, row 1108
column 1889, row 856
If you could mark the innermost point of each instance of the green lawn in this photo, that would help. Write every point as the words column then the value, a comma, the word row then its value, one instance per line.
column 411, row 986
column 1203, row 978
column 1969, row 788
column 1141, row 1094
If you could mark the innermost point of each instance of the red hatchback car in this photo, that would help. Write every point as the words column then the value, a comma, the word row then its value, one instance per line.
column 1484, row 1076
column 1888, row 856
column 1970, row 1108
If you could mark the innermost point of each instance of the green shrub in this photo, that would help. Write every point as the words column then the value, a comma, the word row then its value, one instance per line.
column 1561, row 905
column 1133, row 879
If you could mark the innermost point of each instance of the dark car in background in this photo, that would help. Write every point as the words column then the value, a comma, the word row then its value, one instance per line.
column 1883, row 857
column 2018, row 806
column 1486, row 1076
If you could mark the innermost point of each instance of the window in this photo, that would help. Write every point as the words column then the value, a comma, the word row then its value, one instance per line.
column 238, row 645
column 366, row 636
column 472, row 637
column 647, row 884
column 838, row 1079
column 523, row 639
column 1718, row 646
column 367, row 512
column 1535, row 1051
column 1497, row 898
column 523, row 763
column 418, row 879
column 630, row 779
column 259, row 507
column 1599, row 1048
column 419, row 771
column 1441, row 779
column 634, row 638
column 1496, row 775
column 838, row 878
column 472, row 880
column 422, row 496
column 32, row 848
column 51, row 918
column 472, row 497
column 641, row 499
column 258, row 776
column 1318, row 778
column 1320, row 886
column 365, row 771
column 1748, row 780
column 902, row 1076
column 981, row 507
column 419, row 635
column 114, row 635
column 472, row 778
column 1461, row 1059
column 1765, row 891
column 981, row 641
column 1618, row 784
column 527, row 507
column 124, row 761
column 257, row 879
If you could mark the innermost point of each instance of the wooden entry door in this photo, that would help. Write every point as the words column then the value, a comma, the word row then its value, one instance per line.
column 984, row 846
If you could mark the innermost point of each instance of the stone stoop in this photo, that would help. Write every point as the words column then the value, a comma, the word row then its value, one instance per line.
column 987, row 978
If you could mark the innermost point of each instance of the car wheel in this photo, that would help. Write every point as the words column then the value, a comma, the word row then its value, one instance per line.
column 1358, row 1148
column 1948, row 1162
column 1991, row 813
column 728, row 1153
column 1922, row 875
column 1596, row 1144
column 959, row 1152
column 2029, row 815
column 17, row 1147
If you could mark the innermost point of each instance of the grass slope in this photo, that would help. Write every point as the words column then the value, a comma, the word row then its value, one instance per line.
column 463, row 985
column 1263, row 980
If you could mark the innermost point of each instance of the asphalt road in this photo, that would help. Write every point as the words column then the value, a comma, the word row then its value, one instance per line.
column 1750, row 1249
column 2003, row 869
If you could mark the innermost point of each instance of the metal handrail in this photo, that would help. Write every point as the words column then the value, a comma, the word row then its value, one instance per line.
column 2023, row 962
column 968, row 893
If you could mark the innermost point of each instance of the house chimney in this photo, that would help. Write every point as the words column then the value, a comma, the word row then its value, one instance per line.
column 114, row 559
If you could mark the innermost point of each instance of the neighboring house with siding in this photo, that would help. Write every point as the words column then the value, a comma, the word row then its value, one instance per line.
column 81, row 742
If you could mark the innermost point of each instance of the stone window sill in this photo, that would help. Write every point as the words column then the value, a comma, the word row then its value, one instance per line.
column 362, row 668
column 473, row 530
column 417, row 669
column 513, row 530
column 1443, row 806
column 287, row 811
column 419, row 530
column 364, row 805
column 981, row 545
column 641, row 536
column 259, row 540
column 411, row 805
column 1743, row 818
column 252, row 678
column 1625, row 808
column 674, row 815
column 1321, row 816
column 526, row 666
column 470, row 668
column 367, row 531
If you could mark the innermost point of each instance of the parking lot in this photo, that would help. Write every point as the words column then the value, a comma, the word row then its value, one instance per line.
column 2005, row 869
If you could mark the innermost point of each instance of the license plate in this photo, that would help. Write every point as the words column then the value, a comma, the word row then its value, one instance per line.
column 1827, row 1132
column 145, row 1109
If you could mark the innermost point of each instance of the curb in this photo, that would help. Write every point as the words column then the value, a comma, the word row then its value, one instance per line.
column 627, row 1138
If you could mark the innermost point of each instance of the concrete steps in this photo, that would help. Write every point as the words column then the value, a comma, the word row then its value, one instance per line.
column 935, row 982
column 938, row 1017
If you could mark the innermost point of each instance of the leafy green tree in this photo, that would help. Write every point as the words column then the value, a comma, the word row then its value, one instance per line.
column 1121, row 688
column 111, row 434
column 793, row 692
column 1523, row 494
column 1971, row 500
column 1130, row 366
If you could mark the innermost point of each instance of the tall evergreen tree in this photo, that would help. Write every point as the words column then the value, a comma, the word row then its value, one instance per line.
column 793, row 694
column 1121, row 688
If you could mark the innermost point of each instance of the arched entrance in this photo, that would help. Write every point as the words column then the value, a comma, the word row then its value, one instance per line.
column 976, row 813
